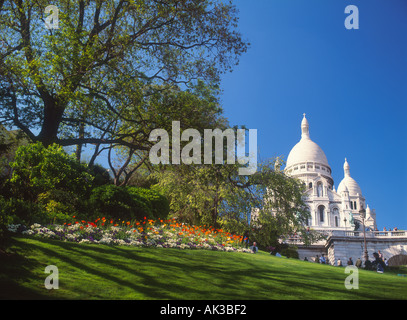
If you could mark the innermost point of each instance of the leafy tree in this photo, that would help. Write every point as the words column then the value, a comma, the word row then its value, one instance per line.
column 278, row 209
column 195, row 192
column 85, row 82
column 197, row 107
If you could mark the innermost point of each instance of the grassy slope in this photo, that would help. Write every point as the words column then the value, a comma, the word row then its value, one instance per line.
column 104, row 272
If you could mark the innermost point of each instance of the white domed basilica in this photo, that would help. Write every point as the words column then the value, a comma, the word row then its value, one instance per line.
column 330, row 209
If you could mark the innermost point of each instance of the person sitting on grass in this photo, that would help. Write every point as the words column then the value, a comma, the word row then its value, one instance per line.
column 254, row 247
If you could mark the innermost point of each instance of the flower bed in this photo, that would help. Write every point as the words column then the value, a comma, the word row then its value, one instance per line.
column 146, row 233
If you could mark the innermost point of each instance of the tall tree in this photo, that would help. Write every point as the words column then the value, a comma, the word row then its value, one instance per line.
column 78, row 84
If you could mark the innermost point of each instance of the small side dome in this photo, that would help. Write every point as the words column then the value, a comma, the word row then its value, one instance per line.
column 348, row 183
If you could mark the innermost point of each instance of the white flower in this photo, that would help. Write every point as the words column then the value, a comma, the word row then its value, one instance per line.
column 13, row 227
column 113, row 228
column 136, row 243
column 70, row 236
column 119, row 242
column 105, row 240
column 74, row 227
column 59, row 229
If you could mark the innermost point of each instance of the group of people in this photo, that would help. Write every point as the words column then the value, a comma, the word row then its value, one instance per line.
column 318, row 259
column 379, row 263
column 394, row 229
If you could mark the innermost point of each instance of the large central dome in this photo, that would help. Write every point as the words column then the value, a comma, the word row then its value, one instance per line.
column 306, row 150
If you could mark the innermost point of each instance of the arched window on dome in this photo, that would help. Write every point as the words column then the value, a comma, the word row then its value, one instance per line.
column 321, row 213
column 310, row 185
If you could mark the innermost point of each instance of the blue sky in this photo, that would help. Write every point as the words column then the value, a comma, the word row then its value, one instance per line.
column 352, row 84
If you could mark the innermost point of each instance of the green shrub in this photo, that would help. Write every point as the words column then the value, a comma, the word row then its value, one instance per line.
column 287, row 251
column 37, row 169
column 158, row 203
column 115, row 202
column 101, row 175
column 59, row 205
column 19, row 211
column 5, row 217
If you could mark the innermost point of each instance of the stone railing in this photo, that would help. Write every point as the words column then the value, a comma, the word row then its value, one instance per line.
column 369, row 234
column 390, row 233
column 343, row 233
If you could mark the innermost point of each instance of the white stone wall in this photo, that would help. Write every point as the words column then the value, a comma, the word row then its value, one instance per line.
column 345, row 248
column 353, row 247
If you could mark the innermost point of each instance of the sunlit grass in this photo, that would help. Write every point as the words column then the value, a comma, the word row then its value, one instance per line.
column 113, row 272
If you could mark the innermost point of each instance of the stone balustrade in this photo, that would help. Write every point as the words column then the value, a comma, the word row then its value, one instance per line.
column 344, row 233
column 369, row 234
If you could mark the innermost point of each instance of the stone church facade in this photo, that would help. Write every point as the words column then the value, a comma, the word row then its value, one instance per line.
column 337, row 213
column 330, row 208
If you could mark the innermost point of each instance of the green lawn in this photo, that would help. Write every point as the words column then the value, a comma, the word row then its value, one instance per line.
column 107, row 272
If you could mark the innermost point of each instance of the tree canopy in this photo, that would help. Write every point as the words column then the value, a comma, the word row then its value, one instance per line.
column 100, row 69
column 111, row 73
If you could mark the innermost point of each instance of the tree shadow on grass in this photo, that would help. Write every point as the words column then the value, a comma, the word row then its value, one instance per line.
column 100, row 262
column 161, row 274
column 15, row 269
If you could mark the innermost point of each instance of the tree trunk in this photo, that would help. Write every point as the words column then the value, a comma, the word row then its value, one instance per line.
column 79, row 146
column 52, row 120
